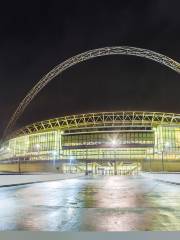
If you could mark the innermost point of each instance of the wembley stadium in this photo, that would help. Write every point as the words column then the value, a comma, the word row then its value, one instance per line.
column 100, row 143
column 123, row 142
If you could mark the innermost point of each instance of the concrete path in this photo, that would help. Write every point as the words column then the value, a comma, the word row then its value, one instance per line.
column 92, row 203
column 12, row 180
column 167, row 177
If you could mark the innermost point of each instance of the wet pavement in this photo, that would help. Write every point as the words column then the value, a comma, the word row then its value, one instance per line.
column 92, row 203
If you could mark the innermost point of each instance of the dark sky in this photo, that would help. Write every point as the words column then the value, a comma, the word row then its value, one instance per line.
column 34, row 37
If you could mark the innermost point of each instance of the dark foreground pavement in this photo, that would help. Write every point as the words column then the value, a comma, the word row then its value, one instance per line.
column 100, row 203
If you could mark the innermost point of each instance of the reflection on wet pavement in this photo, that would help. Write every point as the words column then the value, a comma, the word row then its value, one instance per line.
column 99, row 203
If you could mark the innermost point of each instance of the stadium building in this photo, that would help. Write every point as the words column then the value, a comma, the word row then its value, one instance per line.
column 98, row 143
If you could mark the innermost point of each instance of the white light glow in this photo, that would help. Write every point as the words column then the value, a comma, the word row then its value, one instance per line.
column 72, row 158
column 54, row 153
column 37, row 146
column 167, row 144
column 114, row 142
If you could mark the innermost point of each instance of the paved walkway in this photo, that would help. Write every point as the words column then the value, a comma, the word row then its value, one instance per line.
column 168, row 177
column 12, row 180
column 92, row 203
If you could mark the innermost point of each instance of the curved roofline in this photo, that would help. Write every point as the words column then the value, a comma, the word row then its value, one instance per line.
column 95, row 119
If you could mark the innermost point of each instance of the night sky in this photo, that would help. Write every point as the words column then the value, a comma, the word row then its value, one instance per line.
column 34, row 37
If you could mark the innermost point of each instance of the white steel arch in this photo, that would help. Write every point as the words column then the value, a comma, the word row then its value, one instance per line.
column 119, row 50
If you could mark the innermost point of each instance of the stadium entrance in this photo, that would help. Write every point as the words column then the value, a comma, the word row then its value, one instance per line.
column 111, row 167
column 120, row 168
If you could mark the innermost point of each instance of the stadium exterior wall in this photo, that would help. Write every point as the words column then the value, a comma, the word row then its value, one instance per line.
column 110, row 140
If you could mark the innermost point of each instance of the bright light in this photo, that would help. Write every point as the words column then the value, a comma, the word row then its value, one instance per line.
column 71, row 158
column 114, row 142
column 37, row 146
column 2, row 149
column 167, row 144
column 54, row 153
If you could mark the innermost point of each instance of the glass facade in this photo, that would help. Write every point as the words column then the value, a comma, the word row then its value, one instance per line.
column 154, row 146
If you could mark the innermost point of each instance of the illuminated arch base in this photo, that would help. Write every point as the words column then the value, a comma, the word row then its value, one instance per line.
column 124, row 50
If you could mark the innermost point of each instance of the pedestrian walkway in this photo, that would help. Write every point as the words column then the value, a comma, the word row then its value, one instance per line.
column 13, row 180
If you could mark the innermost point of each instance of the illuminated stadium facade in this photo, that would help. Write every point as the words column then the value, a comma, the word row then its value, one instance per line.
column 105, row 142
column 109, row 142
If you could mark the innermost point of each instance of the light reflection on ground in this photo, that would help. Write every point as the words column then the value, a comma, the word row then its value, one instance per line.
column 99, row 203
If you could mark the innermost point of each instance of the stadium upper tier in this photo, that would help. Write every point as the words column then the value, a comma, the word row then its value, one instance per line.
column 101, row 119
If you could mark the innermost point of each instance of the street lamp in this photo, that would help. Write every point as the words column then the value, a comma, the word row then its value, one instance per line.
column 37, row 147
column 114, row 143
column 54, row 153
column 164, row 148
column 162, row 162
column 150, row 151
column 71, row 159
column 167, row 144
column 162, row 159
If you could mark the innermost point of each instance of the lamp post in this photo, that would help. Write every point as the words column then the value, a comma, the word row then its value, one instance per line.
column 19, row 165
column 114, row 144
column 162, row 158
column 165, row 146
column 70, row 164
column 86, row 170
column 61, row 155
column 54, row 157
column 70, row 161
column 150, row 159
column 162, row 162
column 37, row 147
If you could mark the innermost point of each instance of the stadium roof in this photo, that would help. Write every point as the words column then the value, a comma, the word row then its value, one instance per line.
column 100, row 119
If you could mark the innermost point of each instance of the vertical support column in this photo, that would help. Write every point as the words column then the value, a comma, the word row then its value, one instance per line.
column 86, row 171
column 153, row 160
column 163, row 161
column 19, row 165
column 115, row 167
column 55, row 148
column 150, row 156
column 60, row 149
column 95, row 168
